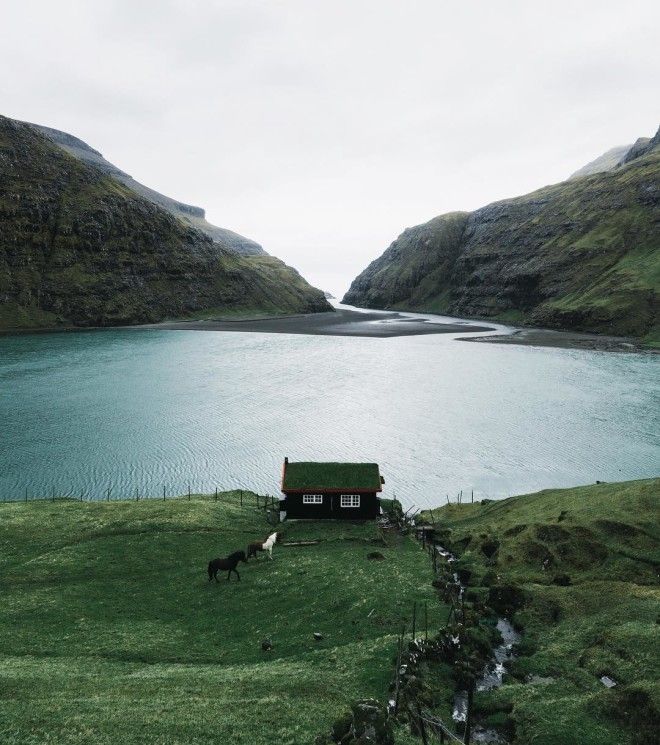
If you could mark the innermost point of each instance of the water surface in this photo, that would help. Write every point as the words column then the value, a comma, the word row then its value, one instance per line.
column 142, row 409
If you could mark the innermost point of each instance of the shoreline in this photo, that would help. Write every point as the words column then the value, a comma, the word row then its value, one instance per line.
column 340, row 322
column 376, row 323
column 556, row 339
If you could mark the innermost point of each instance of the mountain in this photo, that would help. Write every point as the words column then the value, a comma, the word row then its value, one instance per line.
column 194, row 216
column 605, row 162
column 79, row 247
column 583, row 254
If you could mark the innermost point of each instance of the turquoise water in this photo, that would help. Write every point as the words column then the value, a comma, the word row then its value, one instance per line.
column 142, row 409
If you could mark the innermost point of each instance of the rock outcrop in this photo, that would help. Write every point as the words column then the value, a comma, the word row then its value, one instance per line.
column 80, row 248
column 583, row 254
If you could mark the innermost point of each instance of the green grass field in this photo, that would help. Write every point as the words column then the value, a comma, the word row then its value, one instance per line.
column 111, row 633
column 605, row 541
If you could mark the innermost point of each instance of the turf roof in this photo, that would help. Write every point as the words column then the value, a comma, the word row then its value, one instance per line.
column 350, row 476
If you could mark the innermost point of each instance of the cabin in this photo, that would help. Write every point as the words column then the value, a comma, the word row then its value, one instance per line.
column 330, row 491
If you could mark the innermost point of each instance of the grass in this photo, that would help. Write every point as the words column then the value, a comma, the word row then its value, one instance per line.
column 604, row 541
column 110, row 631
column 310, row 475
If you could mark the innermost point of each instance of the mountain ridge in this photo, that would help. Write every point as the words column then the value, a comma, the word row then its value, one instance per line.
column 80, row 248
column 582, row 254
column 195, row 216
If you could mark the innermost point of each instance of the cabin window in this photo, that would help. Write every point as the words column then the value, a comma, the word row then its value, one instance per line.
column 350, row 500
column 312, row 498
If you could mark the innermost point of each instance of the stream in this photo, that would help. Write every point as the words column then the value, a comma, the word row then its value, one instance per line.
column 491, row 678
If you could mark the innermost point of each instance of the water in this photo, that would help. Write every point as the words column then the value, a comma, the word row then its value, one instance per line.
column 502, row 654
column 142, row 409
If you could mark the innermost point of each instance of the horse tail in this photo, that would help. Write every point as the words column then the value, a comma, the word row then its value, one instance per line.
column 210, row 570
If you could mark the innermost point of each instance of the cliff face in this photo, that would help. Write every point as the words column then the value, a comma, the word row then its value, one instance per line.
column 78, row 247
column 194, row 216
column 583, row 254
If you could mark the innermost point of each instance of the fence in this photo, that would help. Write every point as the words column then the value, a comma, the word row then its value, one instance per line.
column 245, row 497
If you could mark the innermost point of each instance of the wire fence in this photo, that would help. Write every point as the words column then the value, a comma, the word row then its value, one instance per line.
column 108, row 494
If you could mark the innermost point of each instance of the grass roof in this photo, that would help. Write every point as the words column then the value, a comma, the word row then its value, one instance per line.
column 350, row 476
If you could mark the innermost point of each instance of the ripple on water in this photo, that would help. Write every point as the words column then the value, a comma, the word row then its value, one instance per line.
column 131, row 409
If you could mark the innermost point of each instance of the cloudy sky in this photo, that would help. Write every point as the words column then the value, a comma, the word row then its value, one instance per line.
column 323, row 128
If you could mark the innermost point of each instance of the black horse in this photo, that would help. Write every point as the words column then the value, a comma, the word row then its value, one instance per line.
column 229, row 563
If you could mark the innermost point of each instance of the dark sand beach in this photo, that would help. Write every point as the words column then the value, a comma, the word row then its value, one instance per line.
column 341, row 322
column 564, row 340
column 386, row 324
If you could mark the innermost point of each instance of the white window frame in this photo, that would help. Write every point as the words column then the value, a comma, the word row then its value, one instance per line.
column 312, row 498
column 349, row 500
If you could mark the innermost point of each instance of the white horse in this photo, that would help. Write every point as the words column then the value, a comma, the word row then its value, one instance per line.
column 268, row 545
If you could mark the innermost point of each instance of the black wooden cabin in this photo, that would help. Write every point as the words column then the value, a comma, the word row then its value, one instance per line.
column 330, row 491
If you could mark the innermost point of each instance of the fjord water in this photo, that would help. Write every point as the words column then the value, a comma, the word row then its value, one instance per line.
column 146, row 409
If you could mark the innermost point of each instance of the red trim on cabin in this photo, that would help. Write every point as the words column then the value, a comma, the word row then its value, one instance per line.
column 323, row 490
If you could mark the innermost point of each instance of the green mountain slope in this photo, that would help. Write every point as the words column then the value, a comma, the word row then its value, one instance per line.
column 579, row 568
column 583, row 254
column 80, row 248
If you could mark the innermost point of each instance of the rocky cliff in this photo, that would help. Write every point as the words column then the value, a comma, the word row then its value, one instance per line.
column 583, row 254
column 194, row 216
column 79, row 247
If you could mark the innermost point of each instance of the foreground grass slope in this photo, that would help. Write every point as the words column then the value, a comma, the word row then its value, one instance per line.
column 110, row 631
column 585, row 565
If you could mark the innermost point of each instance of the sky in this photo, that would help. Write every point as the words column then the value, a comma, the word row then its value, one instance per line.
column 322, row 129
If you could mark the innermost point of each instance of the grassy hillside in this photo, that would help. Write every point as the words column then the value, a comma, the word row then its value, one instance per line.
column 583, row 254
column 110, row 631
column 582, row 567
column 79, row 248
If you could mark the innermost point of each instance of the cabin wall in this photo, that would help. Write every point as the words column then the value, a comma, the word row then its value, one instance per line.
column 331, row 508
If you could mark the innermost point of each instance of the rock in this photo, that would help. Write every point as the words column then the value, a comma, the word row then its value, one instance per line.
column 368, row 723
column 342, row 727
column 317, row 636
column 371, row 719
column 266, row 645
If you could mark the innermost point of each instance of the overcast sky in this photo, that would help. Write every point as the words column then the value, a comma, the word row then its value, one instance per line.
column 323, row 128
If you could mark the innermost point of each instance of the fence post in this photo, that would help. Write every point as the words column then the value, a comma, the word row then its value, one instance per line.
column 81, row 496
column 163, row 492
column 53, row 493
column 468, row 715
column 398, row 669
column 189, row 492
column 241, row 497
column 26, row 497
column 216, row 493
column 421, row 725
